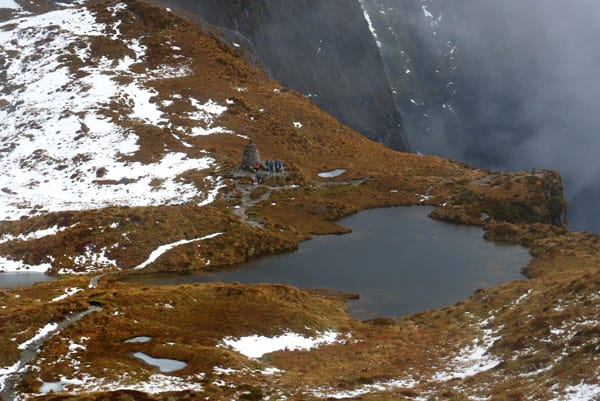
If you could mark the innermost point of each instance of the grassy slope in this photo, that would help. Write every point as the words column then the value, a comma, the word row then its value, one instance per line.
column 562, row 290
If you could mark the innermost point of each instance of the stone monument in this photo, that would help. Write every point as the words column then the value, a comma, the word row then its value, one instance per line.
column 251, row 157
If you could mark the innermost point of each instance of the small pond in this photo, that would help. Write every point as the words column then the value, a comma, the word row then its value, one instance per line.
column 163, row 364
column 398, row 259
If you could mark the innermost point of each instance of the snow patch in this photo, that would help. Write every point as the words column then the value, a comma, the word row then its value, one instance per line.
column 7, row 371
column 154, row 384
column 165, row 248
column 35, row 234
column 206, row 113
column 369, row 23
column 423, row 198
column 89, row 261
column 332, row 173
column 426, row 12
column 256, row 346
column 140, row 339
column 522, row 297
column 41, row 333
column 51, row 387
column 68, row 292
column 472, row 359
column 365, row 389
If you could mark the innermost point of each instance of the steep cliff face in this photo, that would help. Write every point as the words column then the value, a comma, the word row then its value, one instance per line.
column 322, row 49
column 500, row 84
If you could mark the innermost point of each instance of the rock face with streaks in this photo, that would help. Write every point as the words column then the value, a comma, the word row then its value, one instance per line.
column 323, row 49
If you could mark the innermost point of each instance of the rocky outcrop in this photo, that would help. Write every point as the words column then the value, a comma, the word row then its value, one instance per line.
column 526, row 197
column 323, row 49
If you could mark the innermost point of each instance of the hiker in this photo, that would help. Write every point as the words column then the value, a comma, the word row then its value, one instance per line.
column 259, row 178
column 270, row 166
column 278, row 166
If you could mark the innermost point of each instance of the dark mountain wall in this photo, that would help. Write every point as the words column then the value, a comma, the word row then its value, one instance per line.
column 323, row 49
column 501, row 84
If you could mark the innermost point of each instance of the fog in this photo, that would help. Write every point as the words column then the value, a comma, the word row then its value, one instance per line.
column 524, row 91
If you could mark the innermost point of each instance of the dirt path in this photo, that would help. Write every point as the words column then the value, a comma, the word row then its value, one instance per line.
column 247, row 202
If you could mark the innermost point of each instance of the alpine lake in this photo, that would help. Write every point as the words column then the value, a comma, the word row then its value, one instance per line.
column 397, row 259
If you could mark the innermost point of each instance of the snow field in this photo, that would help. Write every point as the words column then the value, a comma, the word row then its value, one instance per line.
column 65, row 153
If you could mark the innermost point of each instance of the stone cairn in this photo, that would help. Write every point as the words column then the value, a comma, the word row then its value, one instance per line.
column 251, row 157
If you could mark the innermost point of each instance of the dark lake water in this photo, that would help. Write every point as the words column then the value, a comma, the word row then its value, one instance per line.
column 398, row 259
column 19, row 279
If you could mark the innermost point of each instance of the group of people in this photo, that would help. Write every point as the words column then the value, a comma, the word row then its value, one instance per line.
column 274, row 166
column 270, row 166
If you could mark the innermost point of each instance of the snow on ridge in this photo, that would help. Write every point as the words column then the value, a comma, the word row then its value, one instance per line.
column 61, row 151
